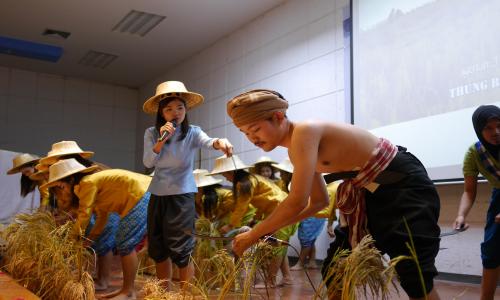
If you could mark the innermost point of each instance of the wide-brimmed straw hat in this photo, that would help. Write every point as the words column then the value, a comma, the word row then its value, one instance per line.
column 65, row 168
column 172, row 89
column 41, row 171
column 285, row 165
column 226, row 164
column 64, row 148
column 22, row 160
column 202, row 178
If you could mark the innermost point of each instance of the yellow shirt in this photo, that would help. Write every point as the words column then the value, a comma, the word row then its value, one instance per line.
column 105, row 192
column 329, row 211
column 264, row 196
column 282, row 185
column 44, row 194
column 225, row 204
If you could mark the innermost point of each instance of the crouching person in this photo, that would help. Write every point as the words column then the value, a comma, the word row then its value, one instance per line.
column 103, row 193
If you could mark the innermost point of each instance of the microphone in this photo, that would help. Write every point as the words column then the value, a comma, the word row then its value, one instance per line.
column 166, row 132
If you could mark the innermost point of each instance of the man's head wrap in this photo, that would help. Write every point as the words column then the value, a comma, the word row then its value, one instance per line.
column 255, row 105
column 480, row 118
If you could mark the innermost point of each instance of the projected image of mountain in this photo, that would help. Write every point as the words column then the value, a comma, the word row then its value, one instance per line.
column 438, row 57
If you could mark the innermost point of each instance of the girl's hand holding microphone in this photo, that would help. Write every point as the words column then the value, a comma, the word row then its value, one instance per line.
column 166, row 131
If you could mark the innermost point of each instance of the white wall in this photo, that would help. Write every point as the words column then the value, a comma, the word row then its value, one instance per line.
column 296, row 49
column 37, row 110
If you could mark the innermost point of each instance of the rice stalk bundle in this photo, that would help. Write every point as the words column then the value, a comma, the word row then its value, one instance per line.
column 153, row 290
column 257, row 259
column 362, row 270
column 217, row 275
column 213, row 263
column 46, row 259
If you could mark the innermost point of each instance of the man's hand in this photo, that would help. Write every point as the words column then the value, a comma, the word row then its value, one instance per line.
column 242, row 242
column 225, row 229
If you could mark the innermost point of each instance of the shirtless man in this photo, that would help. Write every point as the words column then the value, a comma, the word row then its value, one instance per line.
column 327, row 147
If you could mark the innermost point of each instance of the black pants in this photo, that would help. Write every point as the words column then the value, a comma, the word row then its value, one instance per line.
column 414, row 199
column 170, row 219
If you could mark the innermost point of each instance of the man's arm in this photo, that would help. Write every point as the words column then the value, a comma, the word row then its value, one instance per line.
column 317, row 201
column 303, row 153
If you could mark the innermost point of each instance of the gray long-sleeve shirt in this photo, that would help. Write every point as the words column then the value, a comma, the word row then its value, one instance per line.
column 174, row 164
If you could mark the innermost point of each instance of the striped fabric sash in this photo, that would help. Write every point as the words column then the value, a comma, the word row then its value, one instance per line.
column 350, row 193
column 487, row 160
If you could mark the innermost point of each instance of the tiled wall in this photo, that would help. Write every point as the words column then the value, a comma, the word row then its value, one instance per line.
column 37, row 110
column 296, row 49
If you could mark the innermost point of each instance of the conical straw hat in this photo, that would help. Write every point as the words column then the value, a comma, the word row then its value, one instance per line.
column 202, row 178
column 64, row 148
column 286, row 165
column 65, row 168
column 21, row 161
column 225, row 164
column 172, row 89
column 264, row 159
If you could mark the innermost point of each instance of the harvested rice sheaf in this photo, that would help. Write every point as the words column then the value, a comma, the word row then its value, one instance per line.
column 361, row 271
column 46, row 259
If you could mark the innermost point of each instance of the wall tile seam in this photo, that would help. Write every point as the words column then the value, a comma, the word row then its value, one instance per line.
column 287, row 33
column 255, row 49
column 291, row 104
column 210, row 99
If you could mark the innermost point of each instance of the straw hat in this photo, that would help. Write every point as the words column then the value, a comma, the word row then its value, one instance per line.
column 40, row 173
column 64, row 148
column 171, row 89
column 20, row 161
column 286, row 165
column 264, row 159
column 65, row 168
column 202, row 178
column 225, row 164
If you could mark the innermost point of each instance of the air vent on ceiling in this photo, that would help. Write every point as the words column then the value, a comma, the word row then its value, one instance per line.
column 138, row 22
column 97, row 59
column 56, row 33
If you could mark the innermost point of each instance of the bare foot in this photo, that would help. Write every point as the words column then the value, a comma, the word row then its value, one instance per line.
column 296, row 267
column 100, row 286
column 286, row 281
column 263, row 285
column 124, row 296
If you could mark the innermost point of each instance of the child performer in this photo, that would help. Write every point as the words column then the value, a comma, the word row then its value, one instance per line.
column 105, row 192
column 170, row 147
column 25, row 164
column 265, row 196
column 264, row 167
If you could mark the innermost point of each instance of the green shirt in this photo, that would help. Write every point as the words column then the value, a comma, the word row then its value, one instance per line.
column 473, row 166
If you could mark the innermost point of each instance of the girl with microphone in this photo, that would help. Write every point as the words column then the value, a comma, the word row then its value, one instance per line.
column 170, row 147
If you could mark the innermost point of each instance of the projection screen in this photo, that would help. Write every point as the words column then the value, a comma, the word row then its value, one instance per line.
column 420, row 68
